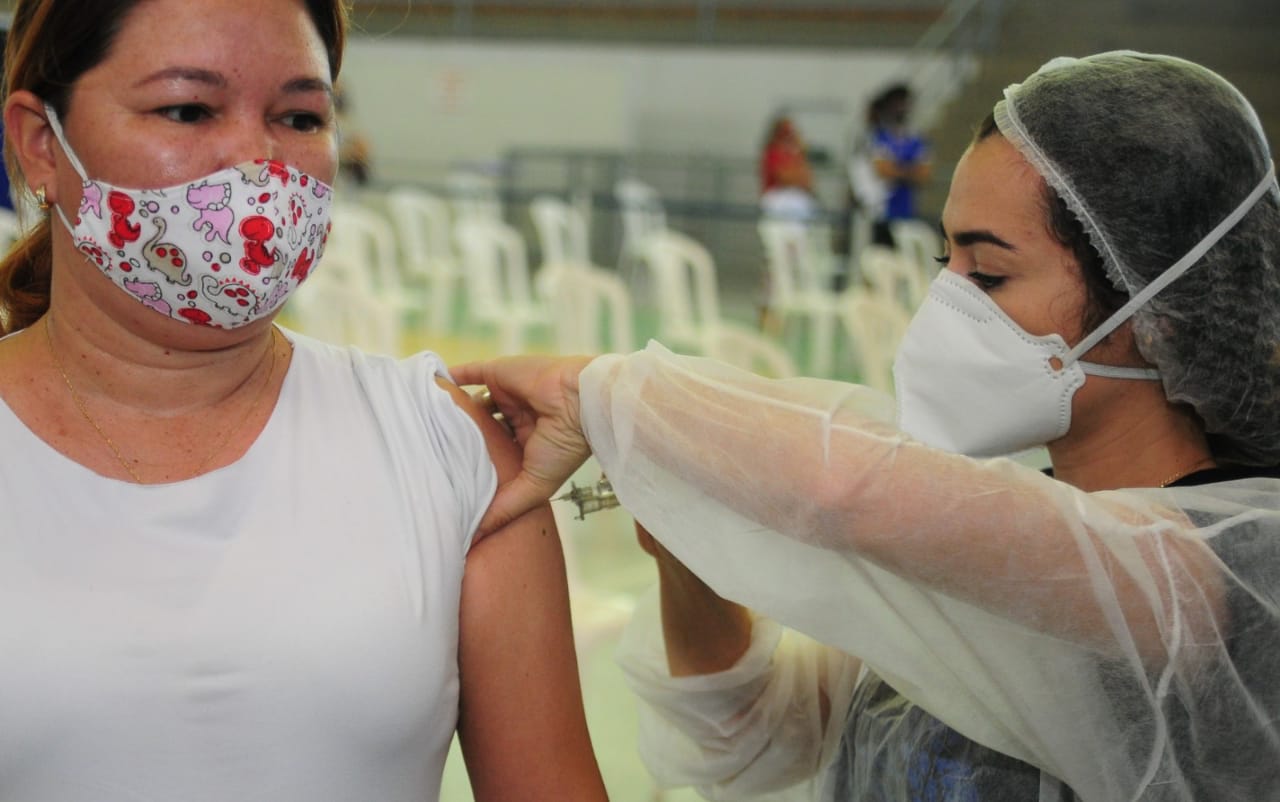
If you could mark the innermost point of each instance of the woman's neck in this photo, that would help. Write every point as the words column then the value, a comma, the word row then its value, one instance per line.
column 131, row 357
column 1151, row 444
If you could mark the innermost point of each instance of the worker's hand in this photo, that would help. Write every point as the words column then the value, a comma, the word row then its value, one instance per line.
column 538, row 399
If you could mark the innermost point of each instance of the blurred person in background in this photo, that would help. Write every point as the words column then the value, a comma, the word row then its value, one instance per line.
column 901, row 162
column 786, row 178
column 354, row 152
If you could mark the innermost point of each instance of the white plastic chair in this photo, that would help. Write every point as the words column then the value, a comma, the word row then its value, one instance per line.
column 562, row 232
column 750, row 350
column 800, row 284
column 361, row 254
column 593, row 310
column 337, row 305
column 683, row 278
column 498, row 286
column 642, row 214
column 892, row 275
column 423, row 230
column 367, row 240
column 919, row 242
column 875, row 324
column 562, row 237
column 474, row 195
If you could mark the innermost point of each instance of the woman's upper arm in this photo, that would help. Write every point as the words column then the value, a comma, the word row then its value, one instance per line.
column 521, row 722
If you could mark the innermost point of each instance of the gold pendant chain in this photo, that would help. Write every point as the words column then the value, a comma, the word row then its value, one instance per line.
column 115, row 450
column 1203, row 462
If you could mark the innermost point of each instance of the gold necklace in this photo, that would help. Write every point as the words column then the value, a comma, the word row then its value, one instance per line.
column 111, row 445
column 1203, row 462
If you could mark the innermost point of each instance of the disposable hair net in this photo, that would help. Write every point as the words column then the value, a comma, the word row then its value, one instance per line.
column 1126, row 643
column 1151, row 153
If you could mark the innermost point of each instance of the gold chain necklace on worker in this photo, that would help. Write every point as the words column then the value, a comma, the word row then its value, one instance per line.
column 115, row 450
column 1203, row 462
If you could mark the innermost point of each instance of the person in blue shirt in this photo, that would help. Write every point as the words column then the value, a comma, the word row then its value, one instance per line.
column 901, row 157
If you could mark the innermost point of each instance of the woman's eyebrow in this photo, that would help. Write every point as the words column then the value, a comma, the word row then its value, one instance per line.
column 977, row 235
column 177, row 73
column 306, row 84
column 217, row 80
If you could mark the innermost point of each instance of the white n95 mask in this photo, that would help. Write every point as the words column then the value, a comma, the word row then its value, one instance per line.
column 971, row 381
column 221, row 251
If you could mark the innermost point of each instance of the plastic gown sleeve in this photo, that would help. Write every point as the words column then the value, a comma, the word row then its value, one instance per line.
column 770, row 722
column 1086, row 634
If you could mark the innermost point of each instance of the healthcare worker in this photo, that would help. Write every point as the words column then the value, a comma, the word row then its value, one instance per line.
column 989, row 631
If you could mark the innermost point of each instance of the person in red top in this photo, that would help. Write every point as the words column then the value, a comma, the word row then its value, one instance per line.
column 786, row 180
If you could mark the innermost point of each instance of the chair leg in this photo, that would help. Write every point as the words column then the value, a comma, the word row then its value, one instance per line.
column 440, row 303
column 820, row 354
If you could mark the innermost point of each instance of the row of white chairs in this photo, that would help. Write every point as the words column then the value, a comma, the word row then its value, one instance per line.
column 883, row 288
column 418, row 254
column 382, row 266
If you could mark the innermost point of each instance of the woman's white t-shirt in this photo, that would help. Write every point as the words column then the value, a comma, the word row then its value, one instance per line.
column 284, row 628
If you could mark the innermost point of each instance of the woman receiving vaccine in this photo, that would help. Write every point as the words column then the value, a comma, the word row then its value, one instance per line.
column 237, row 563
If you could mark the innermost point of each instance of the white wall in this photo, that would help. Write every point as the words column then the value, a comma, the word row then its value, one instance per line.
column 428, row 104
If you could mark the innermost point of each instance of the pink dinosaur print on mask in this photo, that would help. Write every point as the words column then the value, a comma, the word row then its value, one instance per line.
column 256, row 230
column 91, row 200
column 122, row 228
column 149, row 293
column 212, row 200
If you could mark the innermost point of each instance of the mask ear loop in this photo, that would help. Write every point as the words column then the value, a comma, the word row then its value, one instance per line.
column 62, row 140
column 71, row 157
column 1172, row 274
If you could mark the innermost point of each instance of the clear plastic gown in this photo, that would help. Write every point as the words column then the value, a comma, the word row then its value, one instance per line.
column 1126, row 642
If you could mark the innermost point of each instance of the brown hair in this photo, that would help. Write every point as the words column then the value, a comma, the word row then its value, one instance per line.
column 51, row 44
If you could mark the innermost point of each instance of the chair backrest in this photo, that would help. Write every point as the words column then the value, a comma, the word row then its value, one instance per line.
column 919, row 242
column 793, row 257
column 495, row 267
column 561, row 229
column 422, row 227
column 336, row 305
column 684, row 279
column 593, row 313
column 783, row 242
column 473, row 195
column 366, row 240
column 892, row 275
column 875, row 324
column 642, row 214
column 751, row 350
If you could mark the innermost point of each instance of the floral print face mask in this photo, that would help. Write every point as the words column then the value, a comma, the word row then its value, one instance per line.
column 221, row 251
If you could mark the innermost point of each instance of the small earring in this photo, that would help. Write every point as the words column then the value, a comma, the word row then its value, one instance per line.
column 41, row 200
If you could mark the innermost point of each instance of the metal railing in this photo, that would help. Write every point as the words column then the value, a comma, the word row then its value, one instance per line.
column 701, row 184
column 713, row 197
